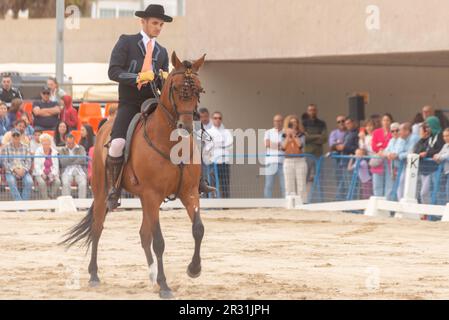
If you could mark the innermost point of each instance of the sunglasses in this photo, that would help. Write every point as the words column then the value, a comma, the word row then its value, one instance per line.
column 46, row 93
column 217, row 118
column 341, row 121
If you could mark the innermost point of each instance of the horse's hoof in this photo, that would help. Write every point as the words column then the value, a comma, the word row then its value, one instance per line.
column 193, row 273
column 166, row 294
column 94, row 283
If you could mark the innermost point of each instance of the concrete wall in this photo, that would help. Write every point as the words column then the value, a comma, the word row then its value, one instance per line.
column 33, row 41
column 250, row 93
column 261, row 29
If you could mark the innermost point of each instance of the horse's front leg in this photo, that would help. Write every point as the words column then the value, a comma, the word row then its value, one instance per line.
column 191, row 202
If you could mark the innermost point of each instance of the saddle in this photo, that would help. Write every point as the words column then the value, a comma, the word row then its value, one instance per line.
column 146, row 109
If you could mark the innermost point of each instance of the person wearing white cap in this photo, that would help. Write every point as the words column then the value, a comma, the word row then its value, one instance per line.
column 391, row 152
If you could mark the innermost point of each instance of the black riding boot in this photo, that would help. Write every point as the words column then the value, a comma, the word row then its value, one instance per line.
column 204, row 186
column 113, row 169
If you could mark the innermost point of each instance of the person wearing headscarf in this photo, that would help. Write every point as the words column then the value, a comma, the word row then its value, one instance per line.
column 430, row 144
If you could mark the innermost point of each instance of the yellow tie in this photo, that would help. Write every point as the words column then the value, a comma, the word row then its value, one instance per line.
column 147, row 63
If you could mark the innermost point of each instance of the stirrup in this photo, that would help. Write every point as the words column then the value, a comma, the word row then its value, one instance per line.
column 113, row 199
column 204, row 187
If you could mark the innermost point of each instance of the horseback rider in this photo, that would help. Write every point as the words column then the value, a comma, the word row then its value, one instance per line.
column 136, row 60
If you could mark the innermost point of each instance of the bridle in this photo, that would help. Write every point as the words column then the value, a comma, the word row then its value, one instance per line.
column 186, row 93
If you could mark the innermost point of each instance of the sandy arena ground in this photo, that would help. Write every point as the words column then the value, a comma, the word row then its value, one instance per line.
column 247, row 254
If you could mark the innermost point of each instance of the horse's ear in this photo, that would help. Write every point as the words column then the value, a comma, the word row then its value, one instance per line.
column 199, row 63
column 177, row 64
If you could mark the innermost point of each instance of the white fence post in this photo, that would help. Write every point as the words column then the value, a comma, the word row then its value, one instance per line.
column 66, row 205
column 410, row 185
column 372, row 208
column 445, row 217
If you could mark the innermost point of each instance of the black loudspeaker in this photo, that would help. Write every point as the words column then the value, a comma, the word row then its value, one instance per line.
column 357, row 108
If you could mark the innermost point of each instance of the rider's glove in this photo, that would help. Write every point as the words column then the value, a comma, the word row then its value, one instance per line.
column 163, row 74
column 145, row 76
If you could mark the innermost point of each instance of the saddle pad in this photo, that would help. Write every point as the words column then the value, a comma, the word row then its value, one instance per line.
column 129, row 135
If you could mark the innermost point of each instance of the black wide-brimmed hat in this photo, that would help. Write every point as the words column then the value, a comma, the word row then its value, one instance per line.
column 154, row 11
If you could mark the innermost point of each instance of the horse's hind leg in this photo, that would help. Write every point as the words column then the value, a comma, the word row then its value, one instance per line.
column 191, row 202
column 97, row 227
column 150, row 206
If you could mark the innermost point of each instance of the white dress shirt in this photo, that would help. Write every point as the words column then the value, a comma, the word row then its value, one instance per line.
column 219, row 149
column 146, row 39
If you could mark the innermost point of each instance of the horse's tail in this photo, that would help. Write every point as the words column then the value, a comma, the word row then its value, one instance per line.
column 81, row 231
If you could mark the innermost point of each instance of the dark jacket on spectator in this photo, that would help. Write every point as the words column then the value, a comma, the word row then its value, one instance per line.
column 8, row 96
column 316, row 136
column 431, row 146
column 351, row 142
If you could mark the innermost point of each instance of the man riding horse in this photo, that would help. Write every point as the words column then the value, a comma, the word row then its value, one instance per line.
column 136, row 60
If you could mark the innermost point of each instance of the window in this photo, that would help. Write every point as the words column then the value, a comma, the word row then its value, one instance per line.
column 107, row 13
column 126, row 13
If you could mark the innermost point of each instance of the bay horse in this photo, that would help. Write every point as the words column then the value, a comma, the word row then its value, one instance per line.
column 150, row 175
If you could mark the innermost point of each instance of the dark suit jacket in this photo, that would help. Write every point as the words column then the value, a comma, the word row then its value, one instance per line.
column 126, row 61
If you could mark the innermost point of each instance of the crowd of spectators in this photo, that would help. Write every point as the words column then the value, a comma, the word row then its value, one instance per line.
column 38, row 148
column 377, row 148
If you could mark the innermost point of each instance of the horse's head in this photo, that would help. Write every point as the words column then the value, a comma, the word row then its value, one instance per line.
column 182, row 89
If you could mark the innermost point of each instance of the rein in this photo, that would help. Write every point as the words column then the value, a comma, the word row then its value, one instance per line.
column 172, row 119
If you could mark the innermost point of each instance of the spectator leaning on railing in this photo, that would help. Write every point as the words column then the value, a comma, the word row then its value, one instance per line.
column 390, row 154
column 431, row 143
column 46, row 168
column 348, row 147
column 17, row 167
column 443, row 156
column 73, row 168
column 407, row 146
column 46, row 112
column 381, row 137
